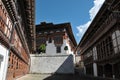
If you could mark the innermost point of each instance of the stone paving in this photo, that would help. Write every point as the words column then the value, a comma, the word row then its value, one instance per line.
column 34, row 77
column 59, row 77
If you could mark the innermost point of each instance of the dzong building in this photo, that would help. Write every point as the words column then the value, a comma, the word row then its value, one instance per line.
column 100, row 46
column 17, row 37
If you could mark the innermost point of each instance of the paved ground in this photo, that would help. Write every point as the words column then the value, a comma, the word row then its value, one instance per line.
column 34, row 77
column 58, row 77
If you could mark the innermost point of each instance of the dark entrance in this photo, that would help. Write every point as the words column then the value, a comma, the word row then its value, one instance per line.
column 117, row 70
column 89, row 69
column 100, row 70
column 108, row 70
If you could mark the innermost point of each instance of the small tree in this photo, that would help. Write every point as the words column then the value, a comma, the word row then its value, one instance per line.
column 66, row 48
column 42, row 48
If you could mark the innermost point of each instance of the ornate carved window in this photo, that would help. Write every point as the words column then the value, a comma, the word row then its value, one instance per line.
column 58, row 40
column 88, row 54
column 116, row 41
column 105, row 48
column 5, row 22
column 41, row 40
column 8, row 28
column 94, row 53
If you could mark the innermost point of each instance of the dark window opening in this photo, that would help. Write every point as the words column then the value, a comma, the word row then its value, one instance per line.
column 50, row 40
column 58, row 49
column 58, row 40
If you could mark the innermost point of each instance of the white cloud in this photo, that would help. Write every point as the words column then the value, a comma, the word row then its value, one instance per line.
column 95, row 8
column 92, row 12
column 82, row 28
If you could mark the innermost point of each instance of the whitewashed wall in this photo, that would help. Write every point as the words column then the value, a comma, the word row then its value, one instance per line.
column 4, row 62
column 51, row 48
column 52, row 64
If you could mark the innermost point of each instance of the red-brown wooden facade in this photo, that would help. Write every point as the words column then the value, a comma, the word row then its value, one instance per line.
column 100, row 44
column 22, row 37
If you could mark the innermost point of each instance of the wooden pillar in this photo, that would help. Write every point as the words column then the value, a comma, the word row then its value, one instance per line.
column 84, row 70
column 10, row 62
column 113, row 72
column 95, row 69
column 103, row 71
column 15, row 67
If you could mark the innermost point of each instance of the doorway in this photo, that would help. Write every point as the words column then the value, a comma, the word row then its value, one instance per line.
column 108, row 70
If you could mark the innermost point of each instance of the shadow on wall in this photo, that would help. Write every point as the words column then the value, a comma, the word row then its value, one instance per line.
column 62, row 73
column 65, row 71
column 45, row 64
column 67, row 66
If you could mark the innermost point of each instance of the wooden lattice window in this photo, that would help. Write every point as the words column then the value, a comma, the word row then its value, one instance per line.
column 58, row 39
column 116, row 41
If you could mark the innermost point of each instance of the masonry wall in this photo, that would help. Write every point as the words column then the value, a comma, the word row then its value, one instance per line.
column 62, row 64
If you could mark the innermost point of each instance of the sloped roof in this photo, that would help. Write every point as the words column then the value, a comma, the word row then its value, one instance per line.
column 67, row 26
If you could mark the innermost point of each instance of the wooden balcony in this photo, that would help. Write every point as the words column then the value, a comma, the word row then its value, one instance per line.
column 109, row 22
column 88, row 60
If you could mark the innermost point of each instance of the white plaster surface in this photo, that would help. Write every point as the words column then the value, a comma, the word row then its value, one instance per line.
column 84, row 70
column 95, row 69
column 51, row 48
column 51, row 64
column 3, row 62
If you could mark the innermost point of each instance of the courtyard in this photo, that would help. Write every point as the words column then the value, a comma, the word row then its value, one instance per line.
column 60, row 77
